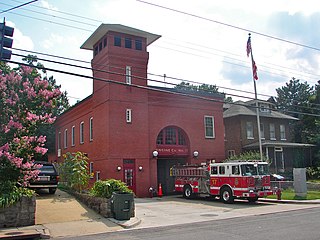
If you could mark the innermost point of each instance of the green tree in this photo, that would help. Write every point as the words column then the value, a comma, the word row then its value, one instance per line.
column 293, row 99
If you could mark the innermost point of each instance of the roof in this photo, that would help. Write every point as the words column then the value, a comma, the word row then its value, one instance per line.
column 269, row 143
column 245, row 108
column 104, row 28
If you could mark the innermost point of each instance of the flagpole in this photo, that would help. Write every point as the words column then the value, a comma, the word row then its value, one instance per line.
column 256, row 99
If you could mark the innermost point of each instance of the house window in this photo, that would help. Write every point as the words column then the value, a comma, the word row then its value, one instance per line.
column 91, row 169
column 72, row 135
column 91, row 128
column 282, row 132
column 264, row 108
column 117, row 41
column 104, row 42
column 128, row 115
column 262, row 131
column 81, row 132
column 138, row 44
column 250, row 130
column 209, row 126
column 128, row 43
column 272, row 132
column 128, row 74
column 59, row 140
column 231, row 153
column 65, row 138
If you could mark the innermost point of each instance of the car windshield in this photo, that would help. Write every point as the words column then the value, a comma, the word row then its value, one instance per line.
column 249, row 170
column 47, row 169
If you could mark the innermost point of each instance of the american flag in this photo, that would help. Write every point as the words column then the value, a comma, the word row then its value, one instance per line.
column 254, row 70
column 248, row 46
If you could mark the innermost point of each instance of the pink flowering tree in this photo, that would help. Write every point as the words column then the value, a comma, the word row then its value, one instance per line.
column 29, row 105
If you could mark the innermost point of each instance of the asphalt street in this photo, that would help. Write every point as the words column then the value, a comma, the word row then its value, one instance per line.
column 292, row 225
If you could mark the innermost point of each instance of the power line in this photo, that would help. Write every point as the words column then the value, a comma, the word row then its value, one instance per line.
column 61, row 12
column 54, row 16
column 143, row 78
column 139, row 86
column 269, row 72
column 18, row 6
column 229, row 25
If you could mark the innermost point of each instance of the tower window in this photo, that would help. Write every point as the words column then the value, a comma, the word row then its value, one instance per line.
column 128, row 74
column 128, row 43
column 117, row 41
column 138, row 43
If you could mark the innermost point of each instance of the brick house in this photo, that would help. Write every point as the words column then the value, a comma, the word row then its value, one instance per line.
column 241, row 134
column 132, row 131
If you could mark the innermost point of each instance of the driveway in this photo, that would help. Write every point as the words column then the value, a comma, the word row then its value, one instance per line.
column 63, row 215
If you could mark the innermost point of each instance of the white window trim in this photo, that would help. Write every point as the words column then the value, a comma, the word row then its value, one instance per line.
column 128, row 75
column 129, row 115
column 91, row 129
column 97, row 175
column 73, row 136
column 205, row 127
column 65, row 138
column 59, row 141
column 274, row 130
column 81, row 133
column 249, row 137
column 284, row 128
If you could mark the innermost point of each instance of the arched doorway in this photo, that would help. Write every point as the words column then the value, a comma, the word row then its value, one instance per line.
column 173, row 149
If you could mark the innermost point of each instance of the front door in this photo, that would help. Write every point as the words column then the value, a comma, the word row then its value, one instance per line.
column 129, row 173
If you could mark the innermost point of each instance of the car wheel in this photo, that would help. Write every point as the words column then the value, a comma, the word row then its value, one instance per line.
column 187, row 192
column 226, row 195
column 52, row 190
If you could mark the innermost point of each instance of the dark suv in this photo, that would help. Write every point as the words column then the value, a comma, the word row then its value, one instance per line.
column 47, row 178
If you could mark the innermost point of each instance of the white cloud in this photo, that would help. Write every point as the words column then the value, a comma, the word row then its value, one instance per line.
column 47, row 5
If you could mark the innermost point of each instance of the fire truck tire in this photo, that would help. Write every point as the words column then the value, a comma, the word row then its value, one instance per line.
column 226, row 195
column 253, row 199
column 187, row 191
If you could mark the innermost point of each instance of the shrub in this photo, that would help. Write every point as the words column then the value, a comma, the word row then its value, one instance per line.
column 107, row 187
column 313, row 173
column 10, row 198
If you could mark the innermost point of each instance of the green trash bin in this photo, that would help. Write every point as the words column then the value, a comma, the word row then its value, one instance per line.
column 122, row 205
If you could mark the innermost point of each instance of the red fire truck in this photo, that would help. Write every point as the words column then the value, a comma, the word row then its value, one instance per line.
column 229, row 180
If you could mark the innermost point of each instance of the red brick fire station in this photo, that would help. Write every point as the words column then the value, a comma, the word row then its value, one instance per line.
column 132, row 131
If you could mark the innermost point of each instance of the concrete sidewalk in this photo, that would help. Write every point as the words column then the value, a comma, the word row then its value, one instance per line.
column 62, row 215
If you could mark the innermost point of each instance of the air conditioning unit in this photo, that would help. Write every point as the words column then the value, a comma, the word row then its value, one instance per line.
column 59, row 152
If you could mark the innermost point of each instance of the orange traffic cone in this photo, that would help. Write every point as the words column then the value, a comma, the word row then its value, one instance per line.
column 160, row 191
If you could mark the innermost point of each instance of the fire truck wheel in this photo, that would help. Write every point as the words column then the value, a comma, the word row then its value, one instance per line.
column 187, row 191
column 253, row 199
column 226, row 195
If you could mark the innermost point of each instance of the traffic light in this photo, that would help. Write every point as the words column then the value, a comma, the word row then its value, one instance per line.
column 5, row 41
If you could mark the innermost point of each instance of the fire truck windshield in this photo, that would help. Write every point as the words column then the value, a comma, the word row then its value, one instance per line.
column 263, row 169
column 249, row 170
column 254, row 169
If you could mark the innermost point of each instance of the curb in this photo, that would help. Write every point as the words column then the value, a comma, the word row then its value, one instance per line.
column 133, row 222
column 290, row 201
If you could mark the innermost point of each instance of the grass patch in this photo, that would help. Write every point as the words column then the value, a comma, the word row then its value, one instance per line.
column 289, row 194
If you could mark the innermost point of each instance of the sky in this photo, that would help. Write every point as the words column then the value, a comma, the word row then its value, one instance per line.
column 202, row 41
